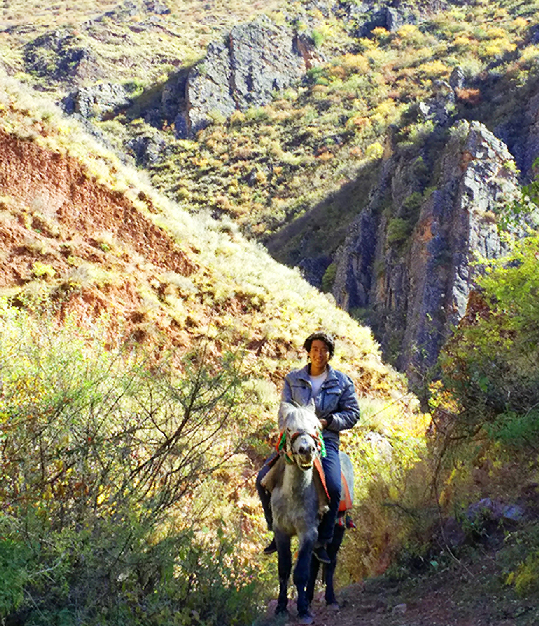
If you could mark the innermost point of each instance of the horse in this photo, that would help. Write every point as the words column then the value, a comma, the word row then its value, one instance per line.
column 296, row 502
column 343, row 522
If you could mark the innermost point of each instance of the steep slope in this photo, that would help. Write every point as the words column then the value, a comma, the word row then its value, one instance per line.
column 87, row 239
column 70, row 232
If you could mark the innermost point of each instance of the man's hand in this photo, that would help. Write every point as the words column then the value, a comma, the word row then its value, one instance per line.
column 323, row 423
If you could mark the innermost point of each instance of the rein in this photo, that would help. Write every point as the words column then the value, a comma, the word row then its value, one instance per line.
column 318, row 439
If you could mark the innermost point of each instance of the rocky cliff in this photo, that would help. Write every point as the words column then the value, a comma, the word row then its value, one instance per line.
column 409, row 259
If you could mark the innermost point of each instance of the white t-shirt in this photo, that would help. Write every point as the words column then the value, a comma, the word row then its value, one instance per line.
column 316, row 382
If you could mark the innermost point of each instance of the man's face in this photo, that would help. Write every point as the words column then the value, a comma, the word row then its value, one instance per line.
column 319, row 355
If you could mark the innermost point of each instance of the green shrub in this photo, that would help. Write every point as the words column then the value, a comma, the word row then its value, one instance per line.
column 398, row 230
column 98, row 451
column 329, row 277
column 13, row 560
column 526, row 577
column 490, row 366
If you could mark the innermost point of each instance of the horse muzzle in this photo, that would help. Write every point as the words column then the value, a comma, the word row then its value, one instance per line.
column 305, row 464
column 305, row 453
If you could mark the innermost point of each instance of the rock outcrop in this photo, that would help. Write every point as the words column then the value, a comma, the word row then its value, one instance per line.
column 251, row 64
column 61, row 56
column 410, row 257
column 98, row 101
column 255, row 61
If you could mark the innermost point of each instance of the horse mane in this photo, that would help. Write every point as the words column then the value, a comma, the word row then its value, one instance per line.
column 298, row 418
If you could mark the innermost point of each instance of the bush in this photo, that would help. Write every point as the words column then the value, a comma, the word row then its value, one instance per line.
column 329, row 277
column 398, row 230
column 490, row 366
column 99, row 447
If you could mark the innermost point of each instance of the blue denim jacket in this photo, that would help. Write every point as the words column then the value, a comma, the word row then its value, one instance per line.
column 336, row 401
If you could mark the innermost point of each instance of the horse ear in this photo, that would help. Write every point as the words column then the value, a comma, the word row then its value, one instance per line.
column 285, row 409
column 311, row 406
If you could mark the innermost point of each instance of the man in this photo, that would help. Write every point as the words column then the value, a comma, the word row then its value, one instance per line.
column 337, row 408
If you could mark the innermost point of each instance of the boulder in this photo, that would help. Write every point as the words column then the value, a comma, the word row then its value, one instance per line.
column 98, row 101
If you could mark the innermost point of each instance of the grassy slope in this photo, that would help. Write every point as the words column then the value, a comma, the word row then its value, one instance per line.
column 228, row 268
column 177, row 279
column 305, row 154
column 129, row 45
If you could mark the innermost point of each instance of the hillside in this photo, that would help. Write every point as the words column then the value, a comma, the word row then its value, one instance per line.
column 177, row 181
column 69, row 205
column 86, row 241
column 342, row 137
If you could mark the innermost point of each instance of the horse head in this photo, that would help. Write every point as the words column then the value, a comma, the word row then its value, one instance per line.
column 301, row 438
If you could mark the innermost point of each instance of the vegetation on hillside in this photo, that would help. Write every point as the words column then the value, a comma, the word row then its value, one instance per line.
column 101, row 465
column 128, row 42
column 99, row 494
column 267, row 166
column 130, row 435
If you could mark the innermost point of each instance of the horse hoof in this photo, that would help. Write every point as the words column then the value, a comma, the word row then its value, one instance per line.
column 334, row 607
column 306, row 619
column 281, row 610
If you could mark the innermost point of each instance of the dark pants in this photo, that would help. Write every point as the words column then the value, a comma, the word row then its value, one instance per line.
column 263, row 493
column 332, row 470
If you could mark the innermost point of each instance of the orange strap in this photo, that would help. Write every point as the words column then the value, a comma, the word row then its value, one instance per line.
column 318, row 466
column 346, row 500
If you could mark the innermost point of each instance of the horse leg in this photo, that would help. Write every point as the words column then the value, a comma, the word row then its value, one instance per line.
column 329, row 570
column 301, row 575
column 313, row 575
column 284, row 567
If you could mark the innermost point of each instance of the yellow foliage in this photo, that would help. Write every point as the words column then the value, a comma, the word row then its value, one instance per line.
column 530, row 54
column 374, row 151
column 496, row 33
column 464, row 42
column 526, row 577
column 410, row 34
column 496, row 48
column 368, row 44
column 434, row 69
column 376, row 56
column 380, row 33
column 519, row 23
column 386, row 112
column 355, row 64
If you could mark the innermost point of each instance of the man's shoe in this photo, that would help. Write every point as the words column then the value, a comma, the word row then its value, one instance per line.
column 321, row 554
column 271, row 548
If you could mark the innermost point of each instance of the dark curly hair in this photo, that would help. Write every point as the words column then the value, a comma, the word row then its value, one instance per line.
column 322, row 336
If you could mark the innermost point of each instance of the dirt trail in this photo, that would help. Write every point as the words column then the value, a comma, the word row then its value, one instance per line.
column 468, row 592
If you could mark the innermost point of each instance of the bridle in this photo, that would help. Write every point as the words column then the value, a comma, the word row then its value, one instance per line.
column 286, row 451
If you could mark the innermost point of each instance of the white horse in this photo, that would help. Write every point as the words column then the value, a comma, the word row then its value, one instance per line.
column 296, row 501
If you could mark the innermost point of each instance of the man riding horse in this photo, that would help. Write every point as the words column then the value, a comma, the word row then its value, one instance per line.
column 337, row 408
